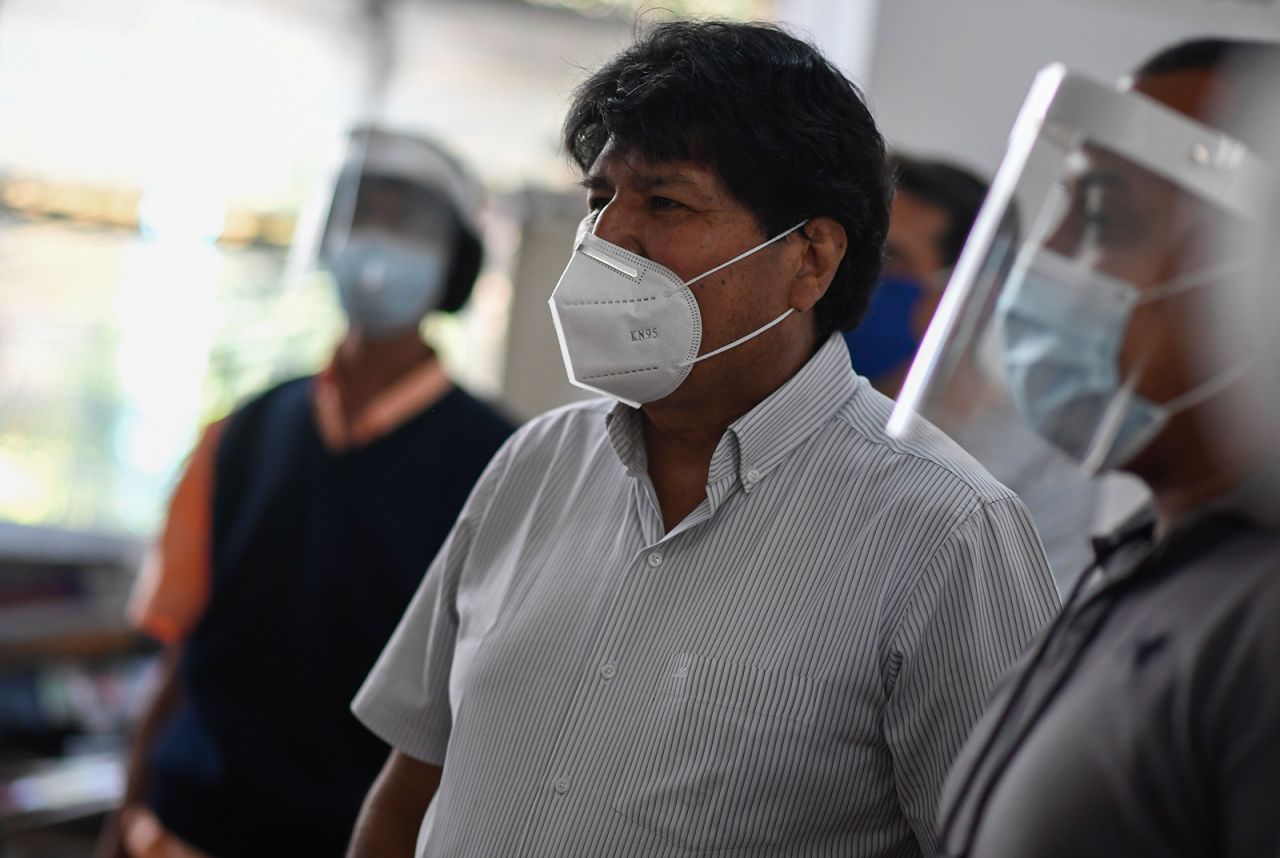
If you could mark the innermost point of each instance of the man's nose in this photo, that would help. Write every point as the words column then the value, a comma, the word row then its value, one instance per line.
column 617, row 224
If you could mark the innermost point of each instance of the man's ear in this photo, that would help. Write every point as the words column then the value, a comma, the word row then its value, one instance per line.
column 823, row 244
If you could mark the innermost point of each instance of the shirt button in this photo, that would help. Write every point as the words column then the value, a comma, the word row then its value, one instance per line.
column 753, row 476
column 609, row 671
column 562, row 786
column 655, row 559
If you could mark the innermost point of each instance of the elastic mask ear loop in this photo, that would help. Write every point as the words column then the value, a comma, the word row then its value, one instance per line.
column 758, row 331
column 1110, row 424
column 739, row 341
column 744, row 255
column 1113, row 415
column 1190, row 280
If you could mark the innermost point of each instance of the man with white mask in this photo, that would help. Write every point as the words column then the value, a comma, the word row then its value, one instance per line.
column 1135, row 329
column 719, row 609
column 299, row 531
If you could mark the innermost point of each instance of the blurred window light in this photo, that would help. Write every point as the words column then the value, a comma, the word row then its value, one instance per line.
column 156, row 159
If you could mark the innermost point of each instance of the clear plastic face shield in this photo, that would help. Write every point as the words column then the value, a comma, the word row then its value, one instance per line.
column 1241, row 321
column 388, row 240
column 1111, row 221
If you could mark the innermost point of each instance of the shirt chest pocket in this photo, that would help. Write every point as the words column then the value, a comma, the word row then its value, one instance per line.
column 729, row 756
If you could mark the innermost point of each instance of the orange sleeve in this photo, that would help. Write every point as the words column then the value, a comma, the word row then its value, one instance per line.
column 173, row 587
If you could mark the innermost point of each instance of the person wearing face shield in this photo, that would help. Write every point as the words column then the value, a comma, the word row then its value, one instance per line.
column 1135, row 330
column 716, row 609
column 299, row 531
column 934, row 207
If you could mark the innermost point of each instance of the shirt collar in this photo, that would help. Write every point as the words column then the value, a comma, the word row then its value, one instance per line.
column 408, row 396
column 759, row 440
column 1136, row 533
column 626, row 434
column 1257, row 499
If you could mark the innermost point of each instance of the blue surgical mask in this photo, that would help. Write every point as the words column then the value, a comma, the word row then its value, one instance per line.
column 1062, row 327
column 387, row 284
column 885, row 339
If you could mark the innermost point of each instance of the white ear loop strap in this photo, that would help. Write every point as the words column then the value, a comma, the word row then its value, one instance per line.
column 740, row 340
column 747, row 253
column 1191, row 280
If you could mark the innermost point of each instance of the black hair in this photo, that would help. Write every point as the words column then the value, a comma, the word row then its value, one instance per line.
column 955, row 190
column 1246, row 69
column 464, row 268
column 1209, row 55
column 788, row 134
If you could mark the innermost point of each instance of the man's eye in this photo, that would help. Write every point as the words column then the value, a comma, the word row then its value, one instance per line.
column 664, row 203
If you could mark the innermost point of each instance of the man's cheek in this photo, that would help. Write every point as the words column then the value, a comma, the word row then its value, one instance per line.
column 1150, row 350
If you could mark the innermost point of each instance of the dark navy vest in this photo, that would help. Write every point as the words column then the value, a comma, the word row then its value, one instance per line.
column 315, row 557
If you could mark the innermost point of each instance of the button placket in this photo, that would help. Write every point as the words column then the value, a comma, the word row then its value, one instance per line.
column 611, row 624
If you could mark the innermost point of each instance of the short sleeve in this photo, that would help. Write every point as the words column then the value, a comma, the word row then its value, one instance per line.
column 172, row 589
column 979, row 601
column 405, row 698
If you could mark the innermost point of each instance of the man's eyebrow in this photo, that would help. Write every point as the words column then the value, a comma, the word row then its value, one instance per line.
column 657, row 179
column 648, row 182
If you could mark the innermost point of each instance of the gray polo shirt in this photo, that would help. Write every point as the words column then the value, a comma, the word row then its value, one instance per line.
column 1150, row 722
column 788, row 672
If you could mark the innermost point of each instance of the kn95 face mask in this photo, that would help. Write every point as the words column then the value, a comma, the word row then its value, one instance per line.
column 628, row 327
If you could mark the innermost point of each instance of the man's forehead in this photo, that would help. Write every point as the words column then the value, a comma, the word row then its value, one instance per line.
column 616, row 165
column 1194, row 92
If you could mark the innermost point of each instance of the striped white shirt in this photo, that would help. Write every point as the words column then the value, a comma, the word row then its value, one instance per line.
column 788, row 672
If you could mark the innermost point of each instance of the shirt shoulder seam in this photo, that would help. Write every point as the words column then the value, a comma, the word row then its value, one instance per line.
column 973, row 486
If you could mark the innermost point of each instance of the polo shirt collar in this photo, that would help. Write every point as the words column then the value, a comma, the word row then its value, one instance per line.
column 1255, row 499
column 759, row 440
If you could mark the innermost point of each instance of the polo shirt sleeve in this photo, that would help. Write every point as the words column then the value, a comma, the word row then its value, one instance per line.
column 974, row 607
column 405, row 698
column 172, row 589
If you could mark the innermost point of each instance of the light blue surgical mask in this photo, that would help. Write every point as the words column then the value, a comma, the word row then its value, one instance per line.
column 387, row 284
column 1062, row 326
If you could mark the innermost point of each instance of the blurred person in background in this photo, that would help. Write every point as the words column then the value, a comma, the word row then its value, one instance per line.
column 934, row 205
column 717, row 609
column 933, row 211
column 300, row 529
column 1147, row 721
